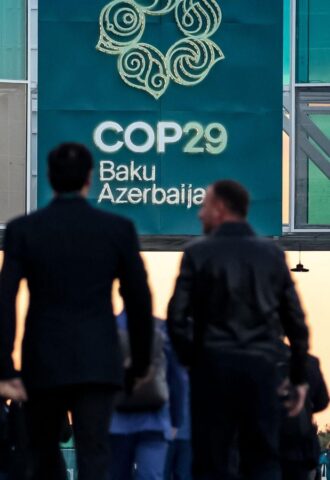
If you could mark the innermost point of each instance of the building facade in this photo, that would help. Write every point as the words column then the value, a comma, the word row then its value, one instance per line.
column 306, row 152
column 306, row 112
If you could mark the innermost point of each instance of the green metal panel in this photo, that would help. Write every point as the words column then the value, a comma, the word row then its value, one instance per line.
column 302, row 55
column 286, row 42
column 89, row 74
column 313, row 41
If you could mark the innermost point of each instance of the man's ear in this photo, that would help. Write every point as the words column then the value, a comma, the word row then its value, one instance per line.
column 221, row 208
column 89, row 178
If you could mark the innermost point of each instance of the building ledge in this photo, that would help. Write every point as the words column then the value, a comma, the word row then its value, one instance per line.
column 176, row 243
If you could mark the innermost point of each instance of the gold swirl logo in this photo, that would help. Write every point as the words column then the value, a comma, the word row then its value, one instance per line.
column 122, row 24
column 157, row 7
column 198, row 18
column 141, row 65
column 190, row 60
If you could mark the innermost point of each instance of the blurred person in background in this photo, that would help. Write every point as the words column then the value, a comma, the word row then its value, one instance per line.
column 179, row 456
column 323, row 471
column 299, row 443
column 141, row 428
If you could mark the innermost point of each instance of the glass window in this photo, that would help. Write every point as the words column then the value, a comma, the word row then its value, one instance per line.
column 12, row 150
column 313, row 160
column 318, row 180
column 286, row 42
column 12, row 39
column 313, row 56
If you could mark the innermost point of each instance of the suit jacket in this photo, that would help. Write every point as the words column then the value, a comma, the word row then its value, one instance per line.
column 70, row 253
column 235, row 292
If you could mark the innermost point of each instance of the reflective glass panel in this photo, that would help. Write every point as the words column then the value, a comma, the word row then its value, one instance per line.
column 312, row 206
column 313, row 44
column 286, row 42
column 12, row 150
column 12, row 39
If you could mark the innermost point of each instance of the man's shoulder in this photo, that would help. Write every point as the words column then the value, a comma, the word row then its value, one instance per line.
column 109, row 216
column 215, row 244
column 267, row 244
column 197, row 243
column 41, row 216
column 115, row 222
column 22, row 222
column 313, row 362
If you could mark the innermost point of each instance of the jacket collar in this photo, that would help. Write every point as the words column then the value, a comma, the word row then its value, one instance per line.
column 233, row 229
column 68, row 197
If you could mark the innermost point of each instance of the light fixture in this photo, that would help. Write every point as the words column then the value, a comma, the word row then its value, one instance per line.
column 299, row 267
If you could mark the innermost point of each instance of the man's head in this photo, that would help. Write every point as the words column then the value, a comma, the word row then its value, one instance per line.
column 69, row 168
column 225, row 201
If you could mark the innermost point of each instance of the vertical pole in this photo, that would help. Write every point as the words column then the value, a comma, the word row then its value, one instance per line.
column 293, row 28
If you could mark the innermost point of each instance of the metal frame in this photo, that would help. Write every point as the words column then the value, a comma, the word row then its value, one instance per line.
column 31, row 109
column 32, row 52
column 28, row 113
column 28, row 123
column 294, row 134
column 293, row 28
column 307, row 136
column 295, row 88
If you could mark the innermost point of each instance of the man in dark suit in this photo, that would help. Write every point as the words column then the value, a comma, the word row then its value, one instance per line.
column 70, row 253
column 233, row 295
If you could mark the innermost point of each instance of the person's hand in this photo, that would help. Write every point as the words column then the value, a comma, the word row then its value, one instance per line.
column 13, row 389
column 132, row 382
column 296, row 402
column 174, row 433
column 139, row 381
column 284, row 388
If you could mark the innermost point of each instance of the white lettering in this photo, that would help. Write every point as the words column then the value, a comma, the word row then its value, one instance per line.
column 134, row 172
column 106, row 194
column 122, row 193
column 122, row 173
column 163, row 138
column 154, row 192
column 98, row 137
column 149, row 143
column 199, row 195
column 184, row 195
column 173, row 196
column 134, row 196
column 107, row 170
column 145, row 195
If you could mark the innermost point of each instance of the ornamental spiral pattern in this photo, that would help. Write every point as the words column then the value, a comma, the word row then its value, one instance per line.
column 198, row 18
column 190, row 60
column 122, row 24
column 141, row 65
column 157, row 7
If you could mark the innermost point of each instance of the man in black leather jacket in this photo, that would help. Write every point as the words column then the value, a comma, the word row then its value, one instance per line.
column 233, row 296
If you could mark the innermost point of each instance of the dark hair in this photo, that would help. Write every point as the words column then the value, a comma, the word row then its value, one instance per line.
column 234, row 195
column 68, row 167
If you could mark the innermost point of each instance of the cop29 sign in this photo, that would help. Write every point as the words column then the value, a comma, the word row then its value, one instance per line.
column 169, row 95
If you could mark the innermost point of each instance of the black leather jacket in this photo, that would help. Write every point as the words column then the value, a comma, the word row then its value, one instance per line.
column 235, row 291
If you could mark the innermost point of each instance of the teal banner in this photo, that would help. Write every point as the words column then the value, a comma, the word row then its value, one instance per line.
column 170, row 95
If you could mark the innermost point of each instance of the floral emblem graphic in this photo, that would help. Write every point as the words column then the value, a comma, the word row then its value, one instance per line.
column 143, row 66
